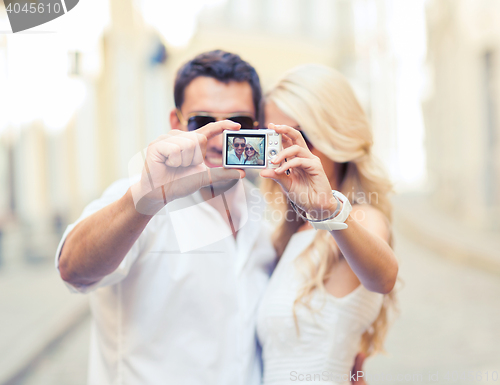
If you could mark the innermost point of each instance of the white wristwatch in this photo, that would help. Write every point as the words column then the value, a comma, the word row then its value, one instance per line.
column 337, row 222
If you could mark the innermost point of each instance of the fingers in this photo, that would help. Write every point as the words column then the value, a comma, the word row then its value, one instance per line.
column 286, row 141
column 289, row 134
column 199, row 151
column 306, row 164
column 282, row 178
column 167, row 135
column 216, row 128
column 168, row 153
column 187, row 148
column 293, row 151
column 191, row 145
column 179, row 149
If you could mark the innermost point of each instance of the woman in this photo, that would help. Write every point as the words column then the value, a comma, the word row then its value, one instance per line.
column 252, row 155
column 329, row 295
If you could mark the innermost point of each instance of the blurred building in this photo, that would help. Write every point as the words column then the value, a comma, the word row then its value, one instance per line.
column 76, row 106
column 461, row 110
column 74, row 109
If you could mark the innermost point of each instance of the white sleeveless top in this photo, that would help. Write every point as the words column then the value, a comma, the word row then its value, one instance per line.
column 329, row 339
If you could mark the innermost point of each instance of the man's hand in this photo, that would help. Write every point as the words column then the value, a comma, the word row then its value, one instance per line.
column 174, row 167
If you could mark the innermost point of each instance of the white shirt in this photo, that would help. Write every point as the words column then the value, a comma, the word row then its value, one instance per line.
column 233, row 158
column 181, row 307
column 330, row 333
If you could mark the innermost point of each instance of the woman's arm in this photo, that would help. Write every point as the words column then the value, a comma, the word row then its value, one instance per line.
column 364, row 243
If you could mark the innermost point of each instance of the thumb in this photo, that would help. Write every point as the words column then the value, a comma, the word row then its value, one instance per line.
column 216, row 175
column 219, row 174
column 221, row 179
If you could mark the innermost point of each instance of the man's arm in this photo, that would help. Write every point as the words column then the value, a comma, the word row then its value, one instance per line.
column 98, row 244
column 173, row 169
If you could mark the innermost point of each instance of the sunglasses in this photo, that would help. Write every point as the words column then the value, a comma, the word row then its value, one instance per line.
column 249, row 148
column 197, row 120
column 238, row 145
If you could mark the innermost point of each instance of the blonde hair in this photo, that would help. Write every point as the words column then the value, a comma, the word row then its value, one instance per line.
column 321, row 100
column 255, row 147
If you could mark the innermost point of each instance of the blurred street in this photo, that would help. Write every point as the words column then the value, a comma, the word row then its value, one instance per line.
column 79, row 100
column 66, row 363
column 38, row 312
column 449, row 319
column 448, row 325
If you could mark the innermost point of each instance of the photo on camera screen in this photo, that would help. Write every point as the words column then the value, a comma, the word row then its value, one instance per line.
column 245, row 150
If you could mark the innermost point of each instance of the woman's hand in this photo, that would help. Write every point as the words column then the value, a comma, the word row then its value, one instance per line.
column 306, row 183
column 364, row 244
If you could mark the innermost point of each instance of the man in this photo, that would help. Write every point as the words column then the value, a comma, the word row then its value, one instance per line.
column 236, row 156
column 174, row 296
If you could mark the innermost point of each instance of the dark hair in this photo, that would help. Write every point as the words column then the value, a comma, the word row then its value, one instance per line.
column 222, row 66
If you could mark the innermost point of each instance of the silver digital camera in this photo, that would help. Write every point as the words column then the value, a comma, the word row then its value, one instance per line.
column 250, row 148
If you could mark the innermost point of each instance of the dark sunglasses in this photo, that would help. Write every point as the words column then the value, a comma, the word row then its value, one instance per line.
column 238, row 144
column 197, row 120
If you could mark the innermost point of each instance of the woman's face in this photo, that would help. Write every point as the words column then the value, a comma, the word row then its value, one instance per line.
column 249, row 151
column 275, row 115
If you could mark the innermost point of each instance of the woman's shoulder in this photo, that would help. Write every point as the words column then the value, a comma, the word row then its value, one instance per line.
column 372, row 219
column 366, row 208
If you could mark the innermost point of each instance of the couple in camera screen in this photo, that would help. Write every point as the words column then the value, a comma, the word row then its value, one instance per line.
column 195, row 276
column 245, row 151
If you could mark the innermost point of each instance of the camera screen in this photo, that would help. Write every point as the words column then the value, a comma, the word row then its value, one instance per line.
column 245, row 149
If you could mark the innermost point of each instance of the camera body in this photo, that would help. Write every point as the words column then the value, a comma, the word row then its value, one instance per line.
column 250, row 148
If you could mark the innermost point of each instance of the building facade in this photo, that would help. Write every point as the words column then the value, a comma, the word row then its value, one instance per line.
column 462, row 109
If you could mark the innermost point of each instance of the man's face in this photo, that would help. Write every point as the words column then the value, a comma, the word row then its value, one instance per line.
column 239, row 146
column 205, row 94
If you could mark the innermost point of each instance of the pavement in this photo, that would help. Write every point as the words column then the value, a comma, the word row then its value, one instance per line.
column 65, row 363
column 449, row 295
column 36, row 311
column 419, row 220
column 447, row 330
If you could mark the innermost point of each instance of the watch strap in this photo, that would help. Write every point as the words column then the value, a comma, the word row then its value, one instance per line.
column 336, row 223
